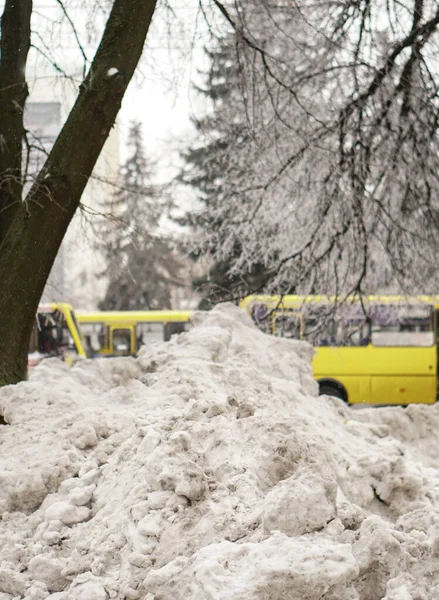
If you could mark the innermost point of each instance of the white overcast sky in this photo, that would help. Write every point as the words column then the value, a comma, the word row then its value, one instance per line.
column 160, row 95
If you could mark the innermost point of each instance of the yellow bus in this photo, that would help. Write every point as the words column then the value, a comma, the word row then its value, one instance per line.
column 378, row 350
column 121, row 333
column 56, row 333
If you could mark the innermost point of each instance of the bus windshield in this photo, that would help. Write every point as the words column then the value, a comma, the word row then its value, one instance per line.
column 56, row 333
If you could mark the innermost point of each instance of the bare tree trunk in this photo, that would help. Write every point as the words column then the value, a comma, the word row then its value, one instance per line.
column 14, row 47
column 32, row 239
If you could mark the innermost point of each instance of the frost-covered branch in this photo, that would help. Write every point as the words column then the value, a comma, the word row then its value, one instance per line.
column 323, row 173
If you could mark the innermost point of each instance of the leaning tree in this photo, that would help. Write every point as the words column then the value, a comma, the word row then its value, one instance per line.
column 32, row 226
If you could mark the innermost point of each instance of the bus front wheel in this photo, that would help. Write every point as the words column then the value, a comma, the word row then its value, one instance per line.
column 333, row 388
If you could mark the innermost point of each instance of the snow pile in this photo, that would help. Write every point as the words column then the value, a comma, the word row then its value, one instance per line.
column 207, row 469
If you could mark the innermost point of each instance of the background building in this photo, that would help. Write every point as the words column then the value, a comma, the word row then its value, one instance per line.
column 78, row 274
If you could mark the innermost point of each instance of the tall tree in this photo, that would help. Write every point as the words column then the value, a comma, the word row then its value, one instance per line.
column 32, row 228
column 336, row 186
column 142, row 266
column 222, row 133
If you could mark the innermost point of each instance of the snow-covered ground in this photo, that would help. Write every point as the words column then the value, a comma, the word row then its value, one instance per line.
column 208, row 469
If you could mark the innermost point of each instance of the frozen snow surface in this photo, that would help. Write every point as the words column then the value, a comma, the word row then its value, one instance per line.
column 208, row 469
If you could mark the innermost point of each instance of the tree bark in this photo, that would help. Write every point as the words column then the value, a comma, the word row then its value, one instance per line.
column 32, row 239
column 14, row 47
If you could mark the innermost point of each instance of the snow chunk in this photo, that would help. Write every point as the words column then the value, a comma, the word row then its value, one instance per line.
column 302, row 503
column 275, row 568
column 12, row 582
column 47, row 568
column 149, row 443
column 83, row 436
column 149, row 526
column 87, row 587
column 113, row 71
column 67, row 513
column 81, row 496
column 24, row 493
column 158, row 499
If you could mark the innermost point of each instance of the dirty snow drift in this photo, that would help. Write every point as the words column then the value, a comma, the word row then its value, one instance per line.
column 208, row 469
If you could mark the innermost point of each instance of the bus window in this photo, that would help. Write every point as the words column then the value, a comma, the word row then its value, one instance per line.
column 351, row 333
column 54, row 335
column 174, row 328
column 318, row 325
column 318, row 332
column 48, row 334
column 347, row 325
column 402, row 326
column 94, row 334
column 260, row 317
column 351, row 326
column 121, row 342
column 287, row 325
column 149, row 332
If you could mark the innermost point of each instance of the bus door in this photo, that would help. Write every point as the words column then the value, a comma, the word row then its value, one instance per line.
column 403, row 354
column 341, row 340
column 122, row 341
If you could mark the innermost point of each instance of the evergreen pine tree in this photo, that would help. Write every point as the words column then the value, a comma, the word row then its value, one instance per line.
column 142, row 266
column 222, row 135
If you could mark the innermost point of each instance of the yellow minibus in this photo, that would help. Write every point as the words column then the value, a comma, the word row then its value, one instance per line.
column 121, row 333
column 375, row 349
column 56, row 333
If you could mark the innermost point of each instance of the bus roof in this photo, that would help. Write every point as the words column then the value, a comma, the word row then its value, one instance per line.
column 132, row 316
column 297, row 300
